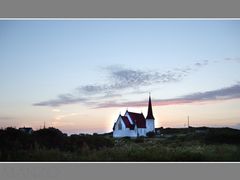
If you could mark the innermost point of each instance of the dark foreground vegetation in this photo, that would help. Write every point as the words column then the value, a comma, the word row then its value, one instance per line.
column 186, row 144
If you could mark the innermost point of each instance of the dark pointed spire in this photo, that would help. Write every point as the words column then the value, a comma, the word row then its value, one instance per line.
column 150, row 113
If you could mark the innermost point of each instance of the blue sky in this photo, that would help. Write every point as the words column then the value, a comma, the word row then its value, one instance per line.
column 64, row 71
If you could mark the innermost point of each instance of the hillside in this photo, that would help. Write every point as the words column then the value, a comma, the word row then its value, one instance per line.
column 171, row 144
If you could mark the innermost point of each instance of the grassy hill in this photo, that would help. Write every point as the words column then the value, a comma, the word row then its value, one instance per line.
column 171, row 144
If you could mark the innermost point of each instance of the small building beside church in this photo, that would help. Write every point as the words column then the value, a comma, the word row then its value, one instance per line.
column 27, row 130
column 133, row 124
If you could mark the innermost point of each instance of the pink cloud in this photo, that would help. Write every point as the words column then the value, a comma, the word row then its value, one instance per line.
column 227, row 93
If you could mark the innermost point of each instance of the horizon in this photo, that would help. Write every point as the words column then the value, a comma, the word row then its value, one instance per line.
column 78, row 75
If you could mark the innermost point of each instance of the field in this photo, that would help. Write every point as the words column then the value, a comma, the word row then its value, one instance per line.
column 186, row 144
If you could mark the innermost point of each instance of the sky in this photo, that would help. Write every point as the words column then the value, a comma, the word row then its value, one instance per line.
column 79, row 75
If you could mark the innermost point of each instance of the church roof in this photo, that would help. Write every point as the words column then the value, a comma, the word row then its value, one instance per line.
column 150, row 113
column 114, row 126
column 138, row 119
column 127, row 122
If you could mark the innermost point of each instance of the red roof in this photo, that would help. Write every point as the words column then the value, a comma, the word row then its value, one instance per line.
column 138, row 119
column 127, row 122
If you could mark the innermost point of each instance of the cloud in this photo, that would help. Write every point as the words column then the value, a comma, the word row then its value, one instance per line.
column 110, row 95
column 61, row 100
column 231, row 92
column 125, row 79
column 119, row 80
column 202, row 63
column 227, row 93
column 237, row 59
column 92, row 89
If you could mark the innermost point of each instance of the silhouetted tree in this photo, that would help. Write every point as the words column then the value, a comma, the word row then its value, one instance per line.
column 49, row 138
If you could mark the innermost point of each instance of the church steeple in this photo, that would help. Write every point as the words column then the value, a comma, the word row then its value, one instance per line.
column 150, row 113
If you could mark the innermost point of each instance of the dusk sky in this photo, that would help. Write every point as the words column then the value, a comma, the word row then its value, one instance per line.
column 78, row 75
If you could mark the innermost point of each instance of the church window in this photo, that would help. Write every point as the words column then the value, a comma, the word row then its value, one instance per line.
column 119, row 125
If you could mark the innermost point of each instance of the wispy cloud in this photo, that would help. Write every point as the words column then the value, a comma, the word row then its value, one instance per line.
column 237, row 59
column 125, row 77
column 120, row 80
column 61, row 100
column 92, row 89
column 202, row 63
column 227, row 93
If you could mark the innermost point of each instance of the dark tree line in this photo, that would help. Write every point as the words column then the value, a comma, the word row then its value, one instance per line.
column 15, row 142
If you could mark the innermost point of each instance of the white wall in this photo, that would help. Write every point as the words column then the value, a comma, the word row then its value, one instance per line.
column 141, row 131
column 124, row 132
column 150, row 125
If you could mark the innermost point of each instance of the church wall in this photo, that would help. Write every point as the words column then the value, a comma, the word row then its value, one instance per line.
column 123, row 132
column 141, row 131
column 150, row 125
column 119, row 124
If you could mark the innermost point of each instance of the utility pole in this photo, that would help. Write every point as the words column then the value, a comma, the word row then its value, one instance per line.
column 188, row 121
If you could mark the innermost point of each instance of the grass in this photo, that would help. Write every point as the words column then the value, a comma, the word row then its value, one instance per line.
column 132, row 151
column 161, row 152
column 214, row 146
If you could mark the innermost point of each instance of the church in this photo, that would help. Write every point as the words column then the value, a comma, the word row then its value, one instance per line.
column 134, row 124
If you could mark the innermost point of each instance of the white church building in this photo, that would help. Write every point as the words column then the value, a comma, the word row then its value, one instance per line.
column 134, row 124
